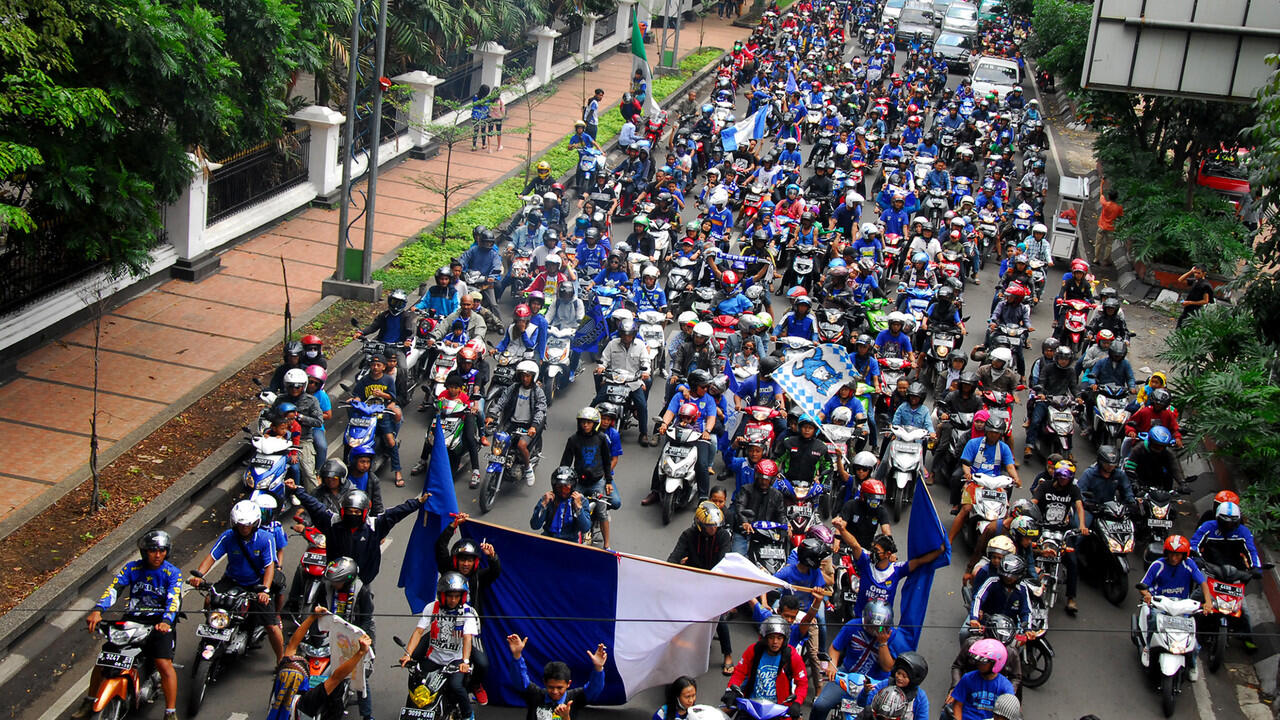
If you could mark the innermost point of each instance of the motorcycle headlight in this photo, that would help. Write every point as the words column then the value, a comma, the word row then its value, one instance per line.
column 320, row 540
column 218, row 619
column 942, row 351
column 1115, row 545
column 1159, row 512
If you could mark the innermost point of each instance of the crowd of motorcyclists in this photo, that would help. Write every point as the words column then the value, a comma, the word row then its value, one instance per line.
column 770, row 265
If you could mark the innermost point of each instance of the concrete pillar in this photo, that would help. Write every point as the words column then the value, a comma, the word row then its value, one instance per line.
column 622, row 31
column 588, row 36
column 323, row 169
column 490, row 55
column 546, row 38
column 421, row 102
column 185, row 223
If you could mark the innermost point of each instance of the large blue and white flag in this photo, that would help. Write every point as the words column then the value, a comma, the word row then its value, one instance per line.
column 655, row 618
column 418, row 572
column 753, row 126
column 813, row 377
column 792, row 86
column 924, row 535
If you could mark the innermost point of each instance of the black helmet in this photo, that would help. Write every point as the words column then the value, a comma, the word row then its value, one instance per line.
column 293, row 347
column 699, row 378
column 466, row 547
column 914, row 665
column 452, row 582
column 355, row 507
column 534, row 216
column 995, row 425
column 593, row 233
column 1013, row 566
column 917, row 389
column 889, row 704
column 969, row 377
column 563, row 476
column 340, row 571
column 1117, row 351
column 1111, row 303
column 1064, row 352
column 1108, row 455
column 155, row 540
column 769, row 363
column 945, row 294
column 334, row 468
column 1160, row 399
column 444, row 272
column 1049, row 344
column 812, row 551
column 397, row 300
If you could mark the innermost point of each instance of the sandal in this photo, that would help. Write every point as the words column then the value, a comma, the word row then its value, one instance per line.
column 727, row 669
column 399, row 480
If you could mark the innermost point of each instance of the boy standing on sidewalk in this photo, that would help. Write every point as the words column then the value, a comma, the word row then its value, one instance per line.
column 1106, row 237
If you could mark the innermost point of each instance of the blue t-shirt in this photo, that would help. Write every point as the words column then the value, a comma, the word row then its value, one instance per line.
column 853, row 403
column 615, row 442
column 979, row 694
column 756, row 392
column 322, row 399
column 790, row 573
column 767, row 677
column 245, row 569
column 886, row 341
column 1173, row 580
column 876, row 584
column 987, row 459
column 706, row 407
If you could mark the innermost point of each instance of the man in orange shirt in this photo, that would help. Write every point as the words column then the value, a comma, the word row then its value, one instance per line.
column 1106, row 227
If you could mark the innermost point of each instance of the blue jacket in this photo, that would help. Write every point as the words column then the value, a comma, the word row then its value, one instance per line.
column 1210, row 531
column 478, row 259
column 559, row 520
column 1104, row 372
column 152, row 593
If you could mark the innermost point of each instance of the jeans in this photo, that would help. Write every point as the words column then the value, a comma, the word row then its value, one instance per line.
column 828, row 700
column 740, row 544
column 388, row 425
column 1039, row 413
column 322, row 445
column 722, row 634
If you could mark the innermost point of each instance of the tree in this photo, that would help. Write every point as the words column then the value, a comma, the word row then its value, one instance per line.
column 448, row 135
column 1061, row 38
column 530, row 102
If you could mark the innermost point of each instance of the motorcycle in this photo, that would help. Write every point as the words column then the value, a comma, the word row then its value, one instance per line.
column 452, row 413
column 803, row 512
column 590, row 162
column 844, row 587
column 1038, row 278
column 501, row 462
column 679, row 276
column 935, row 204
column 128, row 679
column 417, row 353
column 445, row 362
column 942, row 340
column 792, row 346
column 654, row 125
column 1165, row 636
column 616, row 391
column 1107, row 546
column 504, row 374
column 759, row 426
column 803, row 266
column 428, row 698
column 990, row 503
column 893, row 247
column 1000, row 406
column 1110, row 413
column 751, row 201
column 559, row 341
column 652, row 334
column 226, row 634
column 944, row 462
column 1075, row 317
column 703, row 301
column 1052, row 546
column 766, row 545
column 892, row 369
column 1155, row 518
column 308, row 579
column 906, row 463
column 362, row 428
column 831, row 325
column 722, row 328
column 268, row 468
column 1059, row 428
column 676, row 485
column 1225, row 563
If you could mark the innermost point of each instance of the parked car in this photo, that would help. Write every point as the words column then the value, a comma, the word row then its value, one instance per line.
column 995, row 74
column 957, row 50
column 961, row 17
column 892, row 10
column 915, row 20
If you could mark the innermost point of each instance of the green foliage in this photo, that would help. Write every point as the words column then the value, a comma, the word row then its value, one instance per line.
column 419, row 260
column 1061, row 38
column 1225, row 385
column 1156, row 221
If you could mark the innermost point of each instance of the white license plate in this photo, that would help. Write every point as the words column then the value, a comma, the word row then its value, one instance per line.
column 119, row 661
column 1157, row 523
column 264, row 463
column 772, row 553
column 410, row 713
column 210, row 633
column 362, row 422
column 315, row 558
column 989, row 494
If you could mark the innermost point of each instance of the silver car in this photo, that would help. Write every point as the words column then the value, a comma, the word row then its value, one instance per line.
column 957, row 50
column 940, row 10
column 892, row 9
column 913, row 21
column 962, row 18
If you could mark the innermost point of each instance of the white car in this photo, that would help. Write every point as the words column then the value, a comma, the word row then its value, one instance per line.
column 994, row 74
column 892, row 10
column 961, row 18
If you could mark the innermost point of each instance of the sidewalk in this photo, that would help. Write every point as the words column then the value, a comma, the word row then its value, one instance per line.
column 161, row 345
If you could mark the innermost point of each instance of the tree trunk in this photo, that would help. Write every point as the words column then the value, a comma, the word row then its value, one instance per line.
column 444, row 190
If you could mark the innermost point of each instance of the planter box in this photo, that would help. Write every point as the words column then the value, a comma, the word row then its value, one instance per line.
column 1166, row 276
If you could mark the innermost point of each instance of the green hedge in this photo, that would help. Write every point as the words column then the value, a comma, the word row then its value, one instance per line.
column 419, row 260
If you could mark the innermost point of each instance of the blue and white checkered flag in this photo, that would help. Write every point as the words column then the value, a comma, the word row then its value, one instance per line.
column 812, row 378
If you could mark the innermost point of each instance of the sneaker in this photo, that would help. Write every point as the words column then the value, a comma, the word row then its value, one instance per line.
column 84, row 711
column 649, row 499
column 418, row 468
column 529, row 479
column 475, row 480
column 1026, row 453
column 572, row 376
column 1072, row 608
column 482, row 697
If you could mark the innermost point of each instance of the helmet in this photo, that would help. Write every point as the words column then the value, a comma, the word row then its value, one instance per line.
column 552, row 259
column 968, row 377
column 563, row 476
column 466, row 547
column 527, row 366
column 1105, row 335
column 699, row 378
column 1176, row 543
column 544, row 168
column 863, row 339
column 155, row 540
column 589, row 414
column 708, row 514
column 334, row 468
column 1027, row 508
column 524, row 311
column 1025, row 527
column 920, row 257
column 917, row 389
column 1117, row 351
column 246, row 512
column 765, row 320
column 1049, row 344
column 608, row 409
column 889, row 704
column 296, row 377
column 641, row 220
column 872, row 491
column 1160, row 399
column 1160, row 435
column 865, row 460
column 774, row 625
column 293, row 347
column 841, row 415
column 1111, row 303
column 311, row 341
column 702, row 329
column 650, row 271
column 315, row 372
column 1013, row 566
column 397, row 300
column 1000, row 544
column 1108, row 455
column 768, row 364
column 914, row 665
column 1039, row 228
column 821, row 533
column 1018, row 291
column 876, row 614
column 1007, row 705
column 267, row 505
column 689, row 412
column 355, row 505
column 452, row 582
column 340, row 571
column 729, row 277
column 767, row 468
column 996, row 425
column 1003, row 354
column 812, row 551
column 444, row 271
column 1064, row 352
column 627, row 327
column 1064, row 471
column 989, row 650
column 1228, row 516
column 688, row 317
column 1079, row 265
column 1225, row 496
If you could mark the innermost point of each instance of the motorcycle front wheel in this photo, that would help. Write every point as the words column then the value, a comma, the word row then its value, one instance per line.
column 489, row 490
column 1037, row 666
column 114, row 710
column 1167, row 699
column 668, row 501
column 1215, row 647
column 1115, row 587
column 199, row 685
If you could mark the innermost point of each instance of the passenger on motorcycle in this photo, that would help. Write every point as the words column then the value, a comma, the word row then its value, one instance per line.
column 523, row 336
column 1152, row 462
column 866, row 516
column 988, row 563
column 878, row 567
column 986, row 455
column 760, row 499
column 454, row 389
column 845, row 397
column 975, row 695
column 1156, row 413
column 899, row 696
column 451, row 627
column 521, row 406
column 771, row 669
column 804, row 456
column 798, row 323
column 868, row 244
column 1058, row 502
column 702, row 415
column 251, row 554
column 1055, row 379
column 292, row 355
column 1003, row 594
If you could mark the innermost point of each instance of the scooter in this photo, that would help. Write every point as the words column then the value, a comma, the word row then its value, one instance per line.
column 792, row 346
column 501, row 461
column 802, row 511
column 759, row 425
column 990, row 503
column 676, row 485
column 942, row 340
column 831, row 325
column 504, row 374
column 1075, row 317
column 1110, row 413
column 559, row 341
column 935, row 204
column 1038, row 278
column 590, row 162
column 128, row 679
column 1000, row 406
column 1106, row 549
column 1058, row 433
column 268, row 467
column 417, row 352
column 226, row 634
column 654, row 338
column 362, row 428
column 1165, row 634
column 445, row 362
column 722, row 328
column 765, row 546
column 679, row 277
column 906, row 463
column 844, row 587
column 427, row 698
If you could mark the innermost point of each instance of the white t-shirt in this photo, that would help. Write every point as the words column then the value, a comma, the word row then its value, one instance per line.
column 446, row 645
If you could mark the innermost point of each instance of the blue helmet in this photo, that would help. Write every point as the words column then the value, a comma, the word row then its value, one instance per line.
column 1160, row 434
column 837, row 263
column 707, row 109
column 582, row 222
column 920, row 257
column 767, row 205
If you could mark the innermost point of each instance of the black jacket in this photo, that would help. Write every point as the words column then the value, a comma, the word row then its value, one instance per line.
column 479, row 580
column 1059, row 381
column 361, row 543
column 589, row 456
column 767, row 505
column 701, row 550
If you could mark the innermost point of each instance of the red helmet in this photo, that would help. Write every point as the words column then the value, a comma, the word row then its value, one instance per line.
column 817, row 86
column 523, row 311
column 912, row 109
column 729, row 277
column 468, row 353
column 311, row 340
column 1225, row 496
column 1176, row 543
column 872, row 487
column 914, row 121
column 1079, row 266
column 1017, row 290
column 767, row 468
column 689, row 411
column 797, row 291
column 955, row 235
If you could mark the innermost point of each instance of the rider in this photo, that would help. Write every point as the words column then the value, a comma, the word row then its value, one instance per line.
column 866, row 515
column 704, row 407
column 1152, row 462
column 975, row 695
column 441, row 298
column 986, row 455
column 761, row 500
column 1104, row 481
column 1003, row 594
column 451, row 627
column 525, row 335
column 1226, row 529
column 626, row 355
column 1058, row 502
column 1056, row 379
column 521, row 406
column 589, row 454
column 1012, row 310
column 771, row 669
column 1155, row 413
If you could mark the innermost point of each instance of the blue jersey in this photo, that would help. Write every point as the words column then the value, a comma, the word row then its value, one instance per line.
column 1175, row 581
column 892, row 345
column 1209, row 531
column 977, row 695
column 793, row 325
column 247, row 560
column 987, row 459
column 706, row 407
column 152, row 593
column 858, row 652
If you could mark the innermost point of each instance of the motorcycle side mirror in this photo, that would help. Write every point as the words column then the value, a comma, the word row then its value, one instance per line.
column 246, row 429
column 1021, row 387
column 1267, row 566
column 965, row 318
column 1140, row 586
column 397, row 640
column 345, row 386
column 196, row 573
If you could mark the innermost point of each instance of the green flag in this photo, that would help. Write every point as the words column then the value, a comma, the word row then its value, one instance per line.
column 640, row 61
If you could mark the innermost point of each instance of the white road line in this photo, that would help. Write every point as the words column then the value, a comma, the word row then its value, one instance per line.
column 64, row 703
column 238, row 716
column 12, row 665
column 1200, row 689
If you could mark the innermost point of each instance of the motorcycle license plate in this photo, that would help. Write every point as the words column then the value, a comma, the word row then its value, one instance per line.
column 211, row 633
column 411, row 713
column 1221, row 588
column 1158, row 523
column 361, row 422
column 263, row 463
column 772, row 553
column 314, row 558
column 989, row 494
column 494, row 465
column 118, row 661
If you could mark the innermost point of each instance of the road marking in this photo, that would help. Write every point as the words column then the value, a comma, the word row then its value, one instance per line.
column 238, row 716
column 1200, row 689
column 386, row 543
column 69, row 698
column 11, row 666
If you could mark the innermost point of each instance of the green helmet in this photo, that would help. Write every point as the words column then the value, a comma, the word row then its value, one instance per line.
column 693, row 226
column 642, row 220
column 765, row 320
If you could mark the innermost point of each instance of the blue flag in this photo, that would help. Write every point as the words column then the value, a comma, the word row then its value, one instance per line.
column 418, row 573
column 924, row 534
column 594, row 330
column 792, row 86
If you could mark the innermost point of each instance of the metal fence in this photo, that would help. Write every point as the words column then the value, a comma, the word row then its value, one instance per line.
column 569, row 42
column 518, row 61
column 456, row 88
column 258, row 174
column 605, row 27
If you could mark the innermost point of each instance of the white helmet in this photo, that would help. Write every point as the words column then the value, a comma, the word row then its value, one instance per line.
column 852, row 198
column 650, row 271
column 868, row 228
column 296, row 376
column 703, row 329
column 527, row 366
column 1002, row 353
column 901, row 317
column 719, row 197
column 958, row 222
column 1039, row 228
column 688, row 317
column 966, row 199
column 266, row 502
column 841, row 415
column 622, row 315
column 246, row 512
column 553, row 259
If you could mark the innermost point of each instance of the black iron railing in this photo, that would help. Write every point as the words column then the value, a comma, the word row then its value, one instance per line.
column 456, row 88
column 258, row 174
column 518, row 61
column 569, row 42
column 605, row 27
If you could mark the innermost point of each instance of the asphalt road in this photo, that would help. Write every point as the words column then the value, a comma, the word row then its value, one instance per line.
column 1095, row 671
